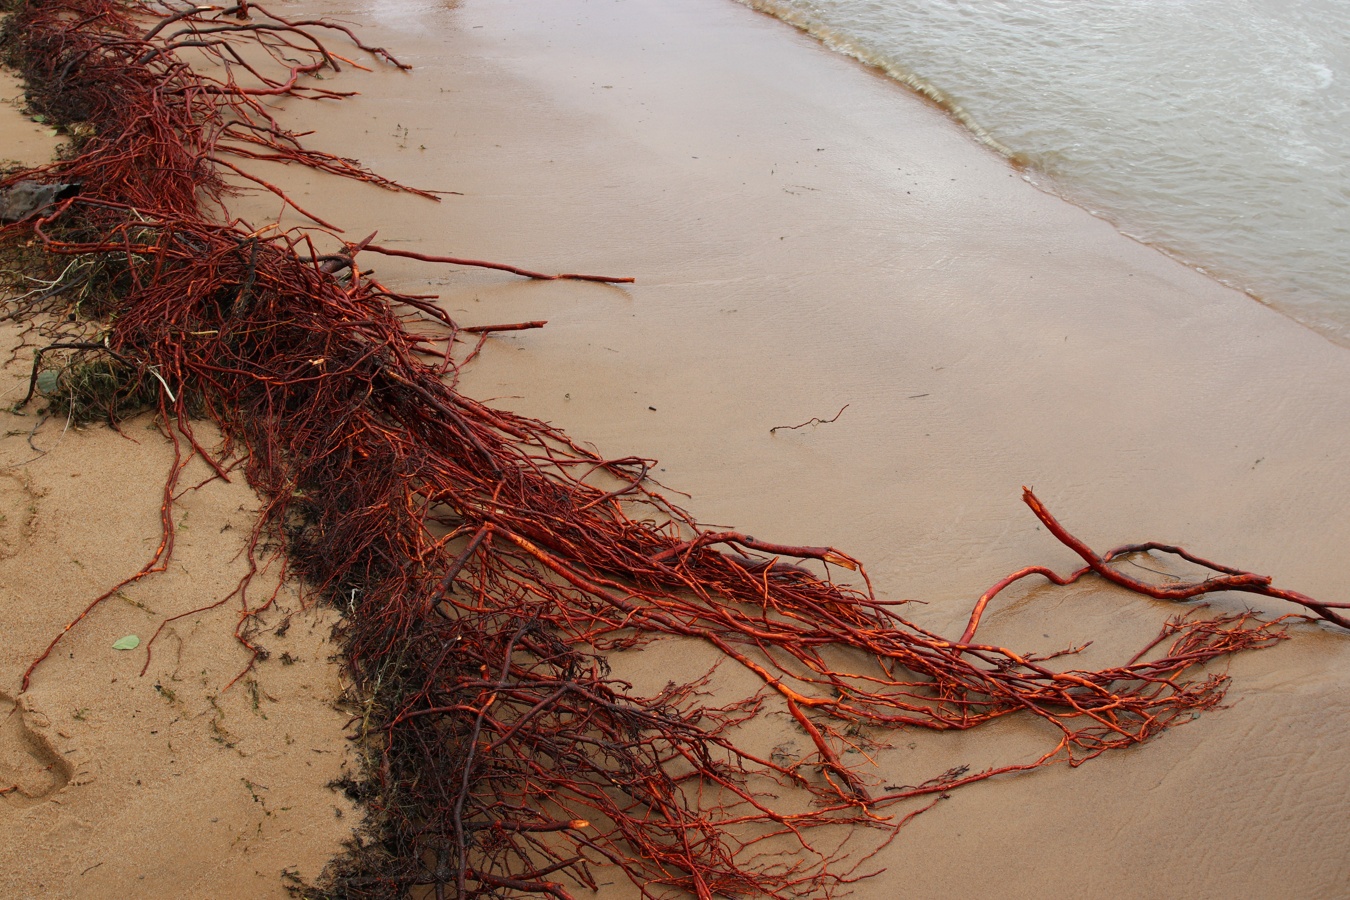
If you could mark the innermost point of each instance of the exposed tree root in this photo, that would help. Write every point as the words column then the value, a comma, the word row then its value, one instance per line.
column 483, row 560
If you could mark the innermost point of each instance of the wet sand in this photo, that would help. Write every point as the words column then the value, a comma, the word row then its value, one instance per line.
column 806, row 235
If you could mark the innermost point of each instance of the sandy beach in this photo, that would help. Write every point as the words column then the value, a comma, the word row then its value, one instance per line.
column 807, row 237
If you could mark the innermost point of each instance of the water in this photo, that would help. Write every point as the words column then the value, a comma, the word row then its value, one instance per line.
column 1217, row 130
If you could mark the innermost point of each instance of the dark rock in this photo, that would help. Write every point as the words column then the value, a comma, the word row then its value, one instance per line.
column 27, row 197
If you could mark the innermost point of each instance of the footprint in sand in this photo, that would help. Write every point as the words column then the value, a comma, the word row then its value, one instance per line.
column 30, row 768
column 18, row 510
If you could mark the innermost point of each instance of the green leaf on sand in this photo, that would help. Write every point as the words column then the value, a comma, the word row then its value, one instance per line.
column 130, row 642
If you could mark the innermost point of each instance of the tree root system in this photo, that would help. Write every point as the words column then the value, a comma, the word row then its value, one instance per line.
column 484, row 561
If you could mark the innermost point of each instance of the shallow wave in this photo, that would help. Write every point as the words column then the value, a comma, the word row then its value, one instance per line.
column 1217, row 130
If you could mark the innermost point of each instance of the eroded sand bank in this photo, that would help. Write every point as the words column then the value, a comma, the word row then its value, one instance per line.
column 807, row 235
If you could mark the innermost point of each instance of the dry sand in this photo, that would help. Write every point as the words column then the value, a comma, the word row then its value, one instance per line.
column 163, row 785
column 805, row 235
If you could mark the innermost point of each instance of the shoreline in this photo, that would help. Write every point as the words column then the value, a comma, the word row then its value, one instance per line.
column 730, row 332
column 1210, row 261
